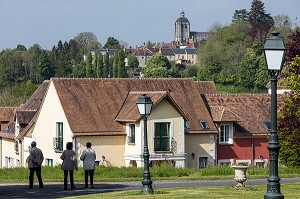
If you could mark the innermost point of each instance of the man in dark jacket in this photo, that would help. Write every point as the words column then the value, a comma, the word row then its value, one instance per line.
column 35, row 162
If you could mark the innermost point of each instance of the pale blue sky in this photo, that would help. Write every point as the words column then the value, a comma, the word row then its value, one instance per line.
column 45, row 22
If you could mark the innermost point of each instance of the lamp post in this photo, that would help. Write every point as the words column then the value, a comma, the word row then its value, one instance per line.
column 274, row 51
column 144, row 105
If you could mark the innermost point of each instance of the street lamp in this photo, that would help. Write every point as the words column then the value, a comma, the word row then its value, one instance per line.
column 144, row 105
column 274, row 51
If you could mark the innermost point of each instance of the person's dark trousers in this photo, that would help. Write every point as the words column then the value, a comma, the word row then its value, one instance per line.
column 66, row 179
column 91, row 174
column 38, row 175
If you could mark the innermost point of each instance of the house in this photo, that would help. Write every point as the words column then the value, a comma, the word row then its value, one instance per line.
column 244, row 122
column 104, row 112
column 185, row 55
column 14, row 143
column 190, row 124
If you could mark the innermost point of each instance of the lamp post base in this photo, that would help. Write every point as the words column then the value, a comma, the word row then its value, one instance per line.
column 273, row 196
column 147, row 187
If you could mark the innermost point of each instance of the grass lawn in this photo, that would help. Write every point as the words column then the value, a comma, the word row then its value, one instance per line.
column 290, row 190
column 112, row 174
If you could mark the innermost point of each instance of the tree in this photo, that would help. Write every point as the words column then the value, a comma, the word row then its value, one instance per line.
column 85, row 39
column 121, row 64
column 99, row 69
column 240, row 16
column 106, row 67
column 258, row 14
column 289, row 119
column 88, row 66
column 133, row 62
column 283, row 25
column 158, row 66
column 247, row 69
column 158, row 60
column 260, row 21
column 45, row 66
column 112, row 43
column 115, row 64
column 21, row 47
column 221, row 55
column 293, row 47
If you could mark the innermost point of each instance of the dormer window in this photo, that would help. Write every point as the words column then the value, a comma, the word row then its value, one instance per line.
column 204, row 124
column 226, row 134
column 268, row 126
column 186, row 125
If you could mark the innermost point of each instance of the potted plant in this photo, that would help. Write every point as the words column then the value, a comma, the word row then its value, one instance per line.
column 240, row 177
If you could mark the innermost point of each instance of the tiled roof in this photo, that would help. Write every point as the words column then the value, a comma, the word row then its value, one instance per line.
column 7, row 113
column 25, row 116
column 92, row 106
column 9, row 131
column 206, row 87
column 27, row 113
column 143, row 52
column 129, row 112
column 35, row 101
column 191, row 51
column 249, row 111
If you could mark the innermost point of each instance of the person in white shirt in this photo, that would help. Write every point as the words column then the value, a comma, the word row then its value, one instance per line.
column 88, row 157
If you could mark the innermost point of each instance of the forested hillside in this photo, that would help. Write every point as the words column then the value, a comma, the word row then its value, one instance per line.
column 231, row 57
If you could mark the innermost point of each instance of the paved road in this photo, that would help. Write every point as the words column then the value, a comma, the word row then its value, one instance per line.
column 55, row 190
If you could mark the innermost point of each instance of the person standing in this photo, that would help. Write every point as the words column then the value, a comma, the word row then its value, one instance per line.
column 69, row 164
column 88, row 157
column 35, row 160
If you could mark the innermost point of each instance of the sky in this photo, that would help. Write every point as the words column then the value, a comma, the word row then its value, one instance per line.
column 45, row 22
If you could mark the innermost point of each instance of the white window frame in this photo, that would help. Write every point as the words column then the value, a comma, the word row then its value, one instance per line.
column 130, row 133
column 63, row 132
column 47, row 161
column 222, row 161
column 230, row 135
column 207, row 161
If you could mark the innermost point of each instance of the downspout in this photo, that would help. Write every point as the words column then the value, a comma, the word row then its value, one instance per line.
column 21, row 154
column 216, row 150
column 253, row 151
column 1, row 152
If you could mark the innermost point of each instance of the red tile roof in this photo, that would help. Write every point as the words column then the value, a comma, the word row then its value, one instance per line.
column 249, row 111
column 93, row 106
column 7, row 113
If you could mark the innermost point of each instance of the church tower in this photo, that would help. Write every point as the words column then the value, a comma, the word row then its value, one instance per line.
column 182, row 29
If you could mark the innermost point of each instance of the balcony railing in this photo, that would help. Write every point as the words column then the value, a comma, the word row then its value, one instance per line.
column 162, row 144
column 58, row 143
column 130, row 139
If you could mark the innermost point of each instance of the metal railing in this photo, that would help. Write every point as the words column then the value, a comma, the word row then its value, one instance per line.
column 162, row 144
column 58, row 143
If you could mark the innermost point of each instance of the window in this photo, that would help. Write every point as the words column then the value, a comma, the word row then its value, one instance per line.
column 204, row 124
column 49, row 162
column 16, row 146
column 7, row 162
column 225, row 134
column 268, row 125
column 131, row 137
column 58, row 140
column 162, row 136
column 202, row 162
column 225, row 164
column 187, row 125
